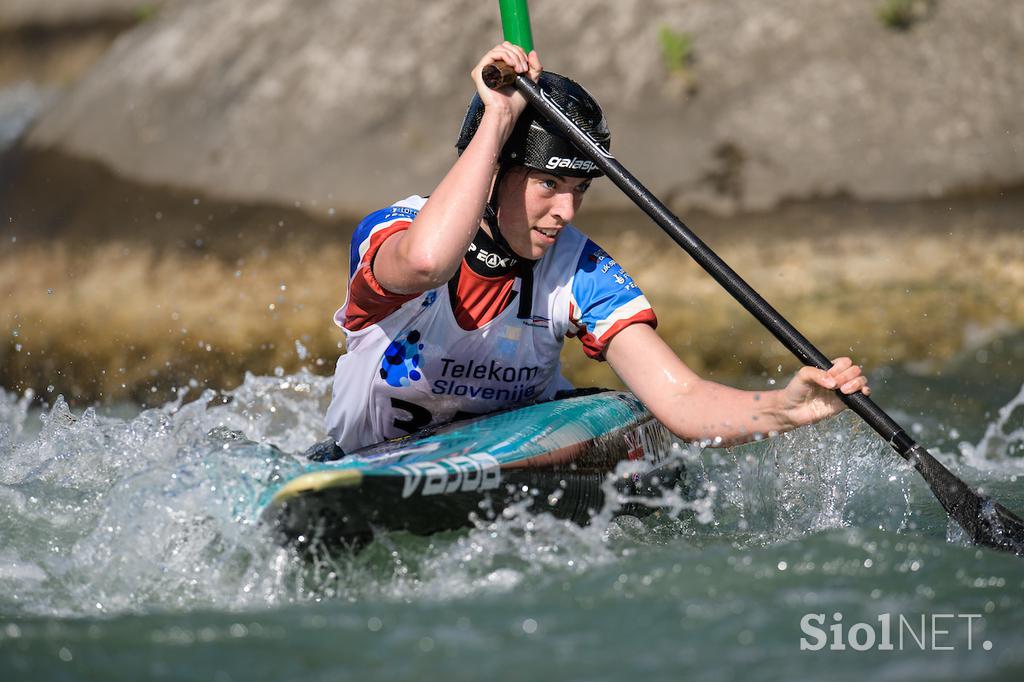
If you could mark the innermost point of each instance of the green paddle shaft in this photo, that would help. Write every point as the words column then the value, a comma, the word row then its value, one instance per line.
column 515, row 23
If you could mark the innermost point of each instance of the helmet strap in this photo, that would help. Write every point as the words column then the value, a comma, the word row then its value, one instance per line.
column 491, row 217
column 523, row 266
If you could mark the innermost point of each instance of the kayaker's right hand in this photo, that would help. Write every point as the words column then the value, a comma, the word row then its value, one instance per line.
column 506, row 100
column 811, row 395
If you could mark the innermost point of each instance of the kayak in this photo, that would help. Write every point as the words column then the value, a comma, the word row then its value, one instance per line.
column 559, row 453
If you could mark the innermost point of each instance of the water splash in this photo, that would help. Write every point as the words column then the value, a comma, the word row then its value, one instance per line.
column 13, row 416
column 1003, row 439
column 833, row 474
column 502, row 553
column 102, row 515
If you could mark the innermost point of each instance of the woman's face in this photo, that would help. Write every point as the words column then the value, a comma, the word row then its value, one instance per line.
column 534, row 206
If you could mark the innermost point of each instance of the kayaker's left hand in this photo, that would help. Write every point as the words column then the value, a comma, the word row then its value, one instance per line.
column 810, row 396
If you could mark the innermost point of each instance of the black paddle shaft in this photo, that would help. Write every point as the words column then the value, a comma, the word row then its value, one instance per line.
column 985, row 521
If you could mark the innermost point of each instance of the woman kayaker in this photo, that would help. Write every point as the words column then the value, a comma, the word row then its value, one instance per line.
column 458, row 303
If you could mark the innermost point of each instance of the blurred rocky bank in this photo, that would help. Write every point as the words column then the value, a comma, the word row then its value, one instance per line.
column 720, row 104
column 154, row 155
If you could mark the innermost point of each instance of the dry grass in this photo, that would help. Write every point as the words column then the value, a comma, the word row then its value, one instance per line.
column 119, row 321
column 879, row 297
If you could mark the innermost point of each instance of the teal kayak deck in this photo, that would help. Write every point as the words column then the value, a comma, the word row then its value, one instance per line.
column 434, row 479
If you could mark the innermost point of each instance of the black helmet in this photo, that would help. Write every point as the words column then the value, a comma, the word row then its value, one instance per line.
column 535, row 143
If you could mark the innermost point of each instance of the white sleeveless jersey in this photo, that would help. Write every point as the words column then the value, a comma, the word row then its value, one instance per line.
column 417, row 367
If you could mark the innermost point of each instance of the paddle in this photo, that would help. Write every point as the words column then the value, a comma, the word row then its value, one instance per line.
column 984, row 520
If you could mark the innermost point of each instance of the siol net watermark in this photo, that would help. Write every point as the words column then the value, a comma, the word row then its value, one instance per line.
column 892, row 632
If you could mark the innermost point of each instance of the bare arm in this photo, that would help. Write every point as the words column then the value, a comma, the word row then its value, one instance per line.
column 699, row 410
column 427, row 254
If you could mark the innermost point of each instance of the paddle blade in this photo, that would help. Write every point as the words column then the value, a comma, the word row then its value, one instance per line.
column 986, row 522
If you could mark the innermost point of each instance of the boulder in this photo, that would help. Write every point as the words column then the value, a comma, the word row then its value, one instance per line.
column 351, row 104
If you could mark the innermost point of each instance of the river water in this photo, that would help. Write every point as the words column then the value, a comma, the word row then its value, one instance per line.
column 129, row 550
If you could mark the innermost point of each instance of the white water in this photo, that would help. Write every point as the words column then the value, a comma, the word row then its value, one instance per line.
column 111, row 515
column 1003, row 439
column 105, row 515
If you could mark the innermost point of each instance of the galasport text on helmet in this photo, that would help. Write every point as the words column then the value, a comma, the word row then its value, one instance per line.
column 534, row 143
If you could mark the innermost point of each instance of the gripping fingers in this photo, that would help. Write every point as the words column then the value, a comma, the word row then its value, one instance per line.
column 513, row 55
column 855, row 385
column 840, row 365
column 848, row 377
column 535, row 66
column 845, row 374
column 817, row 377
column 509, row 54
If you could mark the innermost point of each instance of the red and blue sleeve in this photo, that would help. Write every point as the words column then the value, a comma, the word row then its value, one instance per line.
column 368, row 301
column 605, row 300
